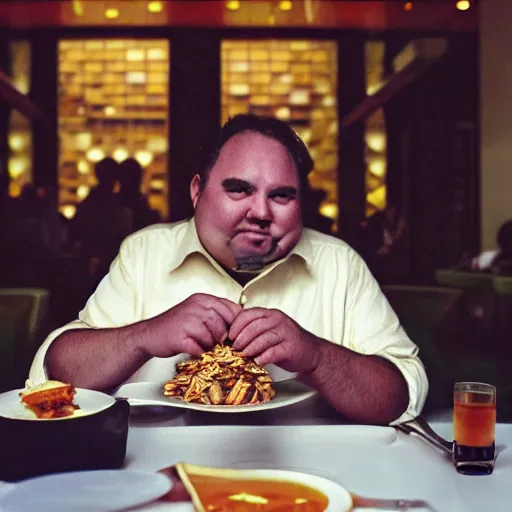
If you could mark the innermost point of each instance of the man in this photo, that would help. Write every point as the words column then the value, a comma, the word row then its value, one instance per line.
column 245, row 269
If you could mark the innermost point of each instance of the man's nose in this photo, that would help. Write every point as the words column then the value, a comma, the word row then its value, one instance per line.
column 260, row 209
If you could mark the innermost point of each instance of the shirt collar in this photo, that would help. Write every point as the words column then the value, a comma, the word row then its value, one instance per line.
column 191, row 244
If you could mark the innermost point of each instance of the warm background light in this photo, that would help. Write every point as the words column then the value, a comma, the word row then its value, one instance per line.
column 112, row 14
column 463, row 5
column 144, row 157
column 408, row 6
column 68, row 210
column 95, row 154
column 285, row 5
column 155, row 7
column 232, row 5
column 120, row 154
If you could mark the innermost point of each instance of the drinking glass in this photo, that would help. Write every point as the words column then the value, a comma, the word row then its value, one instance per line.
column 474, row 424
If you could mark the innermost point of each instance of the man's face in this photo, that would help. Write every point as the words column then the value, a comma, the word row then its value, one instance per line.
column 248, row 212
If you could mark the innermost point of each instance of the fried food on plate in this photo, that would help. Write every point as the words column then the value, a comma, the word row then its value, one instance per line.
column 51, row 399
column 222, row 376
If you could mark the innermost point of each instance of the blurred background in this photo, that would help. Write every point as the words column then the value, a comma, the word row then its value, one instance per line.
column 104, row 105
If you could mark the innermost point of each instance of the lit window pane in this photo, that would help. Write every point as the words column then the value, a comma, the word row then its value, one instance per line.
column 113, row 101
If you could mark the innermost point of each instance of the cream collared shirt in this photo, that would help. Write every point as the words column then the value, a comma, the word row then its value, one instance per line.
column 322, row 284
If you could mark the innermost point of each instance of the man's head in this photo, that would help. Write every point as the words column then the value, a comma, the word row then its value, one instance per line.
column 247, row 194
column 107, row 173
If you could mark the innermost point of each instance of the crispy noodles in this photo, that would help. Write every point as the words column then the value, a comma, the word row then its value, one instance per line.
column 221, row 377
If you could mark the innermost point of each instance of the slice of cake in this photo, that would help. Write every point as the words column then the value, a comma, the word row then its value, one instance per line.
column 51, row 399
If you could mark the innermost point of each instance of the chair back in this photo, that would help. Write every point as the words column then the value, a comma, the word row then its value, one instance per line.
column 22, row 312
column 430, row 317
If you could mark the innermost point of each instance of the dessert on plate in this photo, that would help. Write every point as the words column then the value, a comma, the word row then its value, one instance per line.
column 51, row 399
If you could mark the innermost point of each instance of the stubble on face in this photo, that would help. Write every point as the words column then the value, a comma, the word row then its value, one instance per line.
column 254, row 262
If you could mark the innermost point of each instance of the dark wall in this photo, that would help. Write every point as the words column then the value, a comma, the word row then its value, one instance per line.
column 44, row 94
column 351, row 167
column 194, row 109
column 433, row 160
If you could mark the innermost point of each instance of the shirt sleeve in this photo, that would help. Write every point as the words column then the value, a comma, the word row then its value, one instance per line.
column 113, row 304
column 374, row 329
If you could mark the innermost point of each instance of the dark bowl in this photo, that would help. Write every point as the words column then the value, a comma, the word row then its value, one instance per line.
column 94, row 439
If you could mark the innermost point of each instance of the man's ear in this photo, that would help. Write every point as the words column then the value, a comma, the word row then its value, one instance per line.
column 195, row 189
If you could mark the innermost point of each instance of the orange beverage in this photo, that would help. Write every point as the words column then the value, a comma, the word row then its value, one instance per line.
column 474, row 423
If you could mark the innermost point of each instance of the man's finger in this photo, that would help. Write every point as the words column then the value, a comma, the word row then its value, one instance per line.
column 245, row 318
column 216, row 325
column 273, row 355
column 225, row 308
column 253, row 330
column 260, row 344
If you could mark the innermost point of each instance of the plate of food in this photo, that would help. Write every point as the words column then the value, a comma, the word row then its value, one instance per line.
column 261, row 489
column 221, row 380
column 70, row 429
column 52, row 400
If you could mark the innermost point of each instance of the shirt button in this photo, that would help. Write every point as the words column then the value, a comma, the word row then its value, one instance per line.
column 243, row 299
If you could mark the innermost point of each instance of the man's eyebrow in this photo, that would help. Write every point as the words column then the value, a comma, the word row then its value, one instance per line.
column 284, row 191
column 230, row 183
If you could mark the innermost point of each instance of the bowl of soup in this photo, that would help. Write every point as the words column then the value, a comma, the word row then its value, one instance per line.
column 261, row 490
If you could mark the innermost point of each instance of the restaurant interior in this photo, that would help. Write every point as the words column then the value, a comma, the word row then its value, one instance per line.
column 401, row 104
column 105, row 108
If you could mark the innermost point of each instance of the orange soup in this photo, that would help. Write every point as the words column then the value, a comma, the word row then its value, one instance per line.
column 231, row 495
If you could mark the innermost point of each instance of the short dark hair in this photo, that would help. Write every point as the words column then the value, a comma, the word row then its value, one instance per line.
column 504, row 237
column 267, row 126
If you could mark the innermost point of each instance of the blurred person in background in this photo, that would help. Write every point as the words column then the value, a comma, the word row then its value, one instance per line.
column 101, row 222
column 130, row 195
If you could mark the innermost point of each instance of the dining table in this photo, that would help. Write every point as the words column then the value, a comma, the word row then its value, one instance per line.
column 310, row 437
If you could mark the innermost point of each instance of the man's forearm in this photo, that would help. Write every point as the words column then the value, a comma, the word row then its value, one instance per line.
column 97, row 358
column 368, row 389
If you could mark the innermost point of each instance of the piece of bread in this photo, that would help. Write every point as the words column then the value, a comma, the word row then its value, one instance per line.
column 51, row 399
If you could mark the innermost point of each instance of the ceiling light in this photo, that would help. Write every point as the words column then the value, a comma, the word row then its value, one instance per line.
column 233, row 5
column 83, row 167
column 144, row 157
column 95, row 155
column 408, row 6
column 120, row 154
column 155, row 7
column 329, row 209
column 285, row 5
column 112, row 14
column 78, row 8
column 16, row 141
column 68, row 210
column 82, row 191
column 463, row 5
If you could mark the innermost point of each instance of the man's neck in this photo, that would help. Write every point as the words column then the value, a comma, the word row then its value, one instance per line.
column 242, row 278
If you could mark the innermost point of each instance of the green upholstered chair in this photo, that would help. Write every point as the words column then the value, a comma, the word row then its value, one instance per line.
column 430, row 316
column 465, row 280
column 22, row 313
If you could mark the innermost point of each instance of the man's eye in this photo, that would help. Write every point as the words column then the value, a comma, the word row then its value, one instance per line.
column 283, row 197
column 237, row 191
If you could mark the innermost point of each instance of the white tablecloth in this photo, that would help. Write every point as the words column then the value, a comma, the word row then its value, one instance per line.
column 369, row 461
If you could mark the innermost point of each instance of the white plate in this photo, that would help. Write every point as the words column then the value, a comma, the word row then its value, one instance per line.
column 89, row 401
column 339, row 499
column 86, row 491
column 151, row 393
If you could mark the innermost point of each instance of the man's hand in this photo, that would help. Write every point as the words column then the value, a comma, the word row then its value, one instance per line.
column 270, row 336
column 191, row 327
